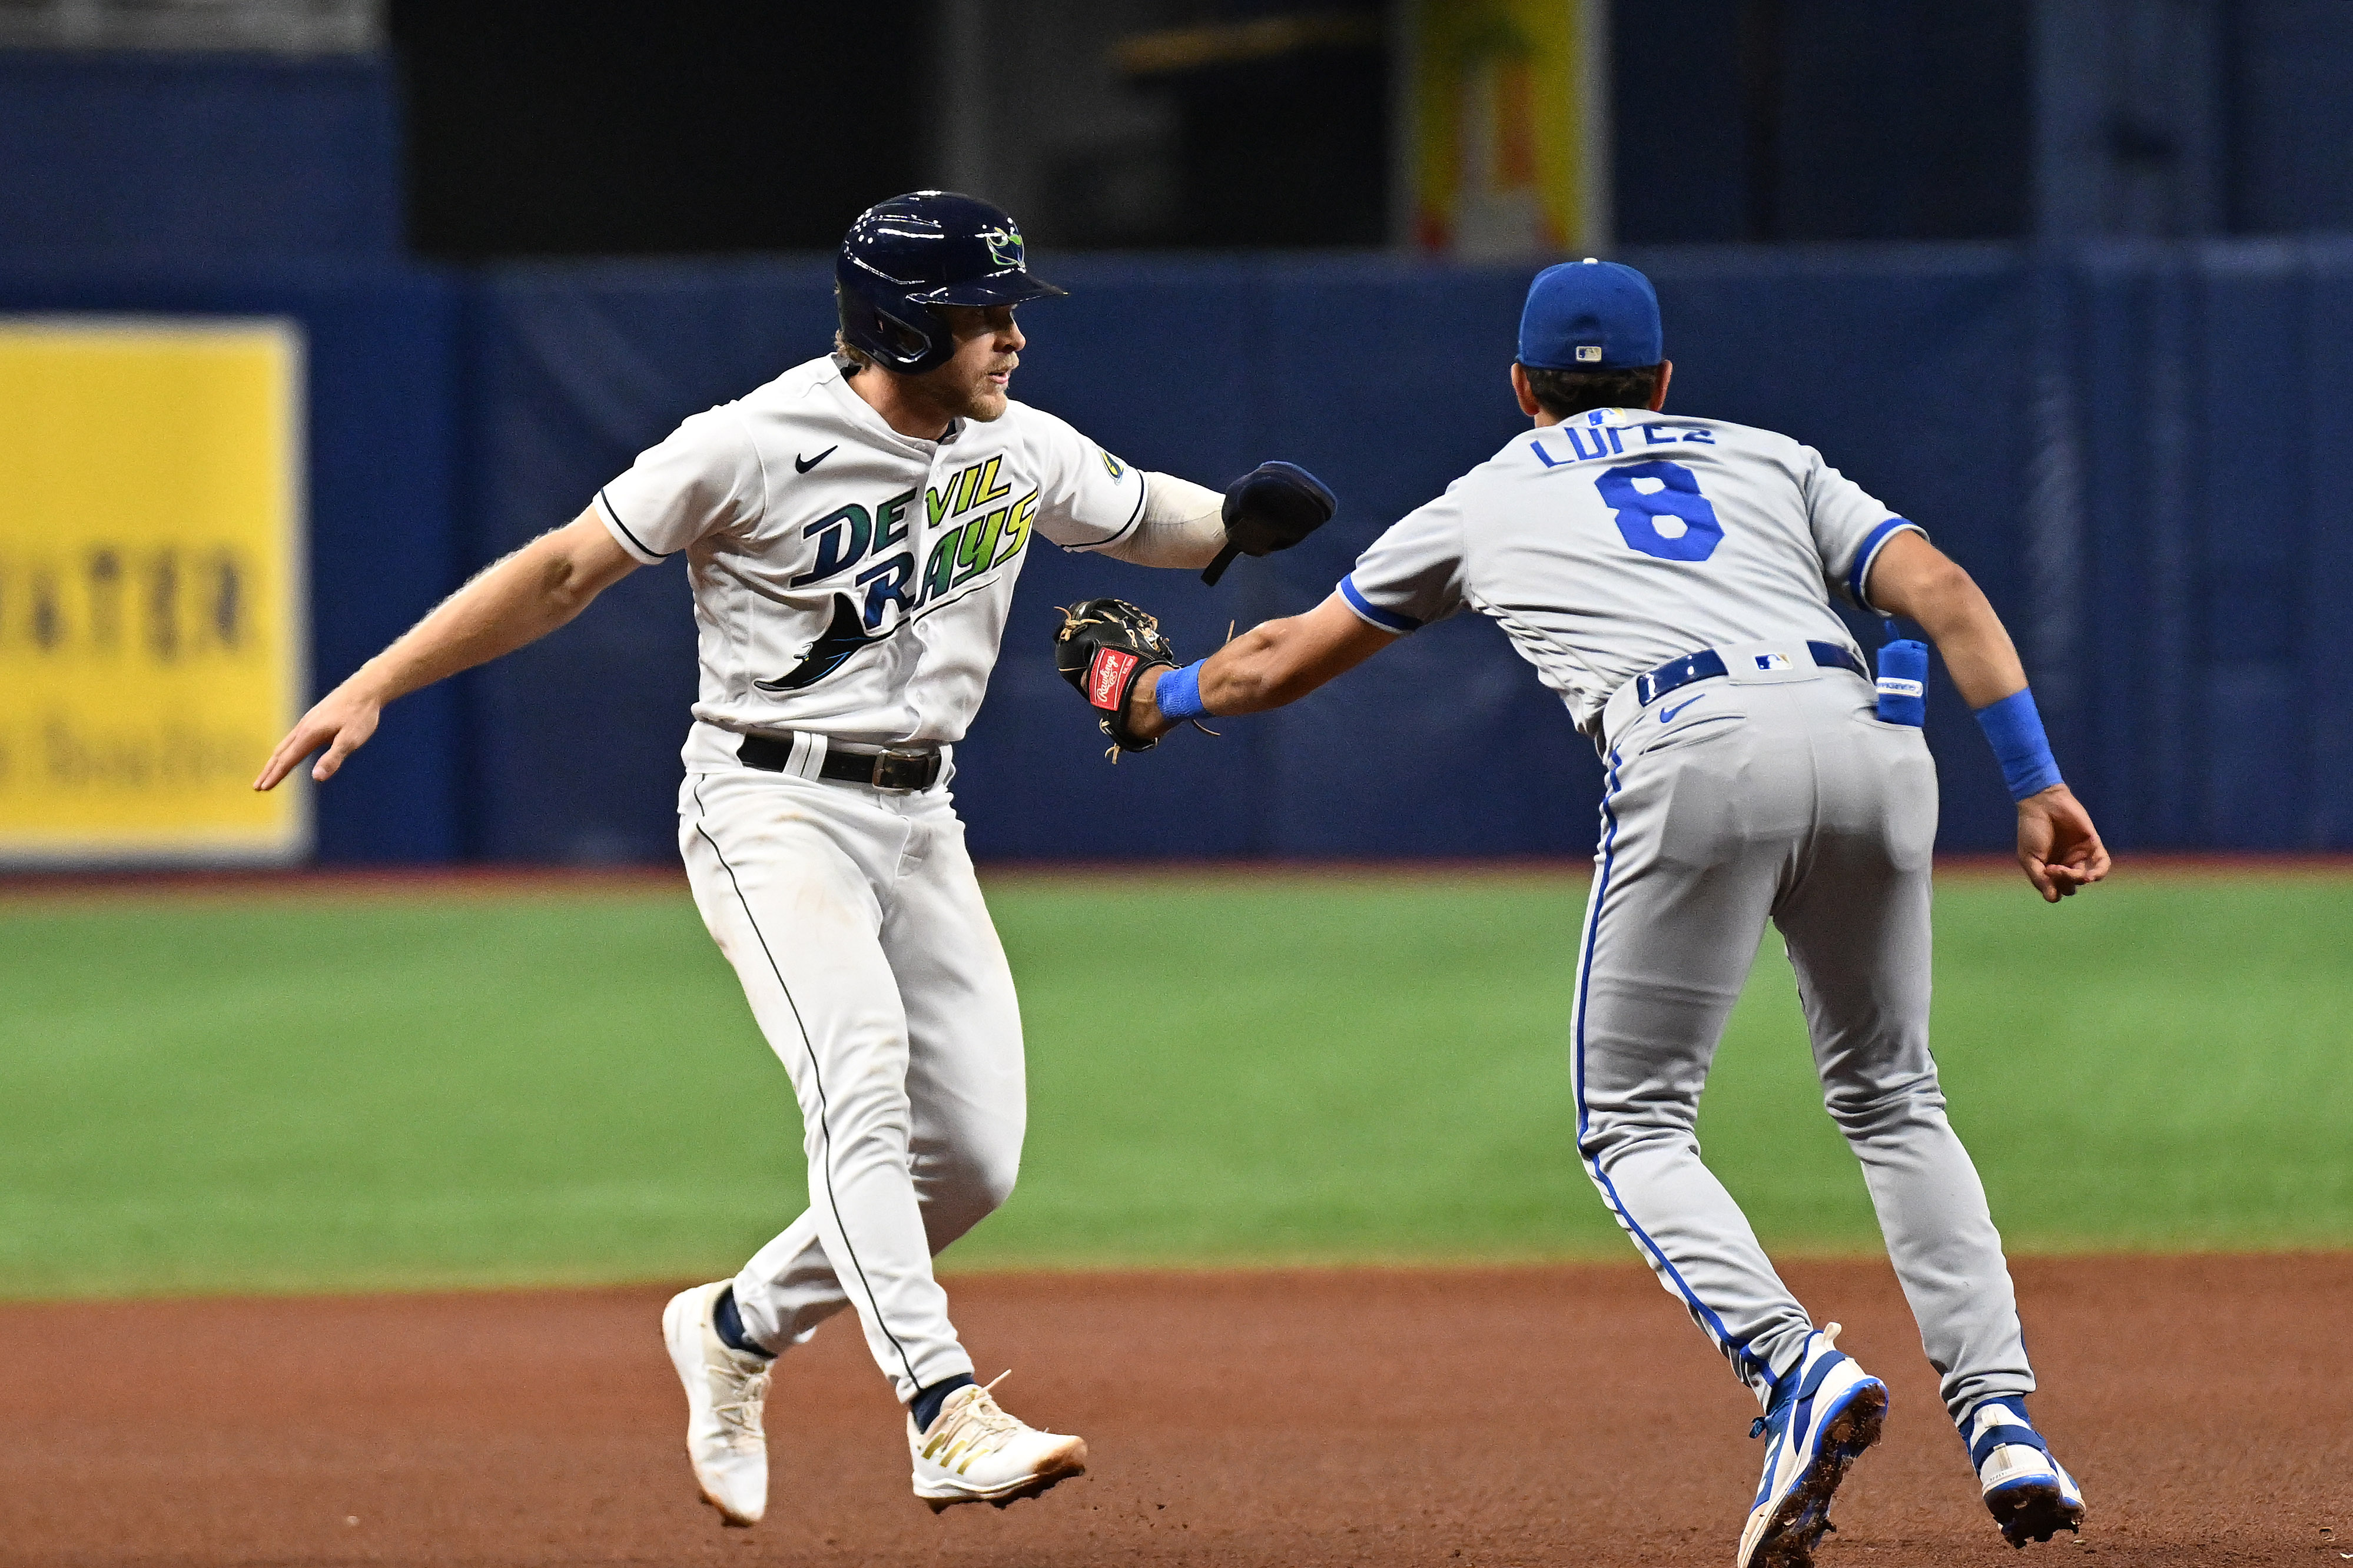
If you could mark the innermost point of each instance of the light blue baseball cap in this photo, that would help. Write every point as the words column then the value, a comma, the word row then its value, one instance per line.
column 1590, row 315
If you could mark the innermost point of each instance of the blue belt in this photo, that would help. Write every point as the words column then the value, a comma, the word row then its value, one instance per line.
column 1707, row 664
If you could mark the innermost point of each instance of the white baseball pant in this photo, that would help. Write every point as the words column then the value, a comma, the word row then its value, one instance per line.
column 853, row 919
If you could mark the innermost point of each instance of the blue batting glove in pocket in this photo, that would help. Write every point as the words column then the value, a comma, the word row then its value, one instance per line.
column 1903, row 682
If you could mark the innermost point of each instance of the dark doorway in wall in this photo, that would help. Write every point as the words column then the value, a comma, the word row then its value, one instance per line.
column 616, row 127
column 1281, row 122
column 1822, row 120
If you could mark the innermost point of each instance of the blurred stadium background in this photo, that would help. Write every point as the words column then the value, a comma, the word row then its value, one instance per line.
column 311, row 308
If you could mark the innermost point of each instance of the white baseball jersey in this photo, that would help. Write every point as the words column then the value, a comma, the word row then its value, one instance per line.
column 849, row 580
column 1619, row 539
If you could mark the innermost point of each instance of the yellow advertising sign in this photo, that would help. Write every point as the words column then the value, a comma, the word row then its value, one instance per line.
column 1509, row 148
column 152, row 604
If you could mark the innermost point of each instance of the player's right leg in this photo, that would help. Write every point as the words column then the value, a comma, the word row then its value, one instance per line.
column 967, row 1080
column 786, row 874
column 1857, row 922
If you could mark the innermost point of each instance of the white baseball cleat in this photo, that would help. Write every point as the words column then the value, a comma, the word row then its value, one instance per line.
column 1831, row 1414
column 2030, row 1496
column 725, row 1390
column 975, row 1452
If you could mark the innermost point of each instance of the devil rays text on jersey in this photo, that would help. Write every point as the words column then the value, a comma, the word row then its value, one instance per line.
column 865, row 597
column 970, row 536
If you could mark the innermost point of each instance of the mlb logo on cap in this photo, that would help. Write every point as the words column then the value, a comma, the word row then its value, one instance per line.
column 1590, row 315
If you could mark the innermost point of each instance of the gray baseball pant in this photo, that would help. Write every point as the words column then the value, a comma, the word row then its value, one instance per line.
column 1779, row 794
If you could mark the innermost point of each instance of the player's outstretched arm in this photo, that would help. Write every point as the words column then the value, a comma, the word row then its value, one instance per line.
column 2058, row 847
column 512, row 602
column 1273, row 664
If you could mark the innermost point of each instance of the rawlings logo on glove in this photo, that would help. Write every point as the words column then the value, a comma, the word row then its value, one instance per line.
column 1108, row 678
column 1102, row 647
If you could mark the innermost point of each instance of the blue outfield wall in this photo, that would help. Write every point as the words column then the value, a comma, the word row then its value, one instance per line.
column 1388, row 379
column 2201, row 452
column 2139, row 450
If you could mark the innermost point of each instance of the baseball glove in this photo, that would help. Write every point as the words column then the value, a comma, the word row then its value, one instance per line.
column 1271, row 508
column 1102, row 646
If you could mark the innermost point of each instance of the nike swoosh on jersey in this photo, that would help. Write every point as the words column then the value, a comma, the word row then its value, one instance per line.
column 842, row 639
column 1667, row 715
column 803, row 465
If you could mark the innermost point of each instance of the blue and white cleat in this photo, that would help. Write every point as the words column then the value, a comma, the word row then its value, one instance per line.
column 2031, row 1497
column 1832, row 1412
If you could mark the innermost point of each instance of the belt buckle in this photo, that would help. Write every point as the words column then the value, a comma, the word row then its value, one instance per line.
column 888, row 767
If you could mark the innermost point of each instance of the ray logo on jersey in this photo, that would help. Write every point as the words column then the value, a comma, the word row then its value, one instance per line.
column 981, row 538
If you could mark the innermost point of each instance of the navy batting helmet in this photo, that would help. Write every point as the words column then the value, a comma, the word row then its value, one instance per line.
column 925, row 248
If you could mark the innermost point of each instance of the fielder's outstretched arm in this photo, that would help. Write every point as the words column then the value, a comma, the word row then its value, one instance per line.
column 2057, row 845
column 1271, row 664
column 512, row 602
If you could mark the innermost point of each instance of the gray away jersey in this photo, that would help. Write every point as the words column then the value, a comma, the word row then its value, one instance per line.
column 849, row 580
column 1620, row 539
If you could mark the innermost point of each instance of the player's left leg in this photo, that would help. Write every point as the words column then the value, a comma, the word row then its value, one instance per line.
column 1857, row 922
column 968, row 1102
column 1683, row 886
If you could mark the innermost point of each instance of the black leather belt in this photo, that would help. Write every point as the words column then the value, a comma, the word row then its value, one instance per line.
column 883, row 770
column 1707, row 664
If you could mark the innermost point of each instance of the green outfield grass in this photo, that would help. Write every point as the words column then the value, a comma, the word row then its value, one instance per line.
column 268, row 1092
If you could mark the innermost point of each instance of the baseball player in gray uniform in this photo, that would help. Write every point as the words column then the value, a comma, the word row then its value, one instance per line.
column 1672, row 578
column 853, row 531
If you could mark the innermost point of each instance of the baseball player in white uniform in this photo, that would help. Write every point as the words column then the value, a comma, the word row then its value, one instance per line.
column 853, row 531
column 1671, row 577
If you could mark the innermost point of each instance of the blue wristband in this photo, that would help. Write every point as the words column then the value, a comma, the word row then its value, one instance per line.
column 1903, row 682
column 2015, row 732
column 1178, row 694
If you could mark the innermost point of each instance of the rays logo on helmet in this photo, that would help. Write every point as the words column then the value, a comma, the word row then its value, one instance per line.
column 905, row 258
column 1004, row 245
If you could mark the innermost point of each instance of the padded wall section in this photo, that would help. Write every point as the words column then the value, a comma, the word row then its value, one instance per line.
column 573, row 741
column 197, row 157
column 1387, row 378
column 2216, row 421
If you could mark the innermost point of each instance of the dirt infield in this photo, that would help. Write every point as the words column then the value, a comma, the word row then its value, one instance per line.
column 1466, row 1420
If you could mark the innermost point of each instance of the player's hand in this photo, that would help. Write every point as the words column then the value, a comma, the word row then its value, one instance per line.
column 1271, row 508
column 343, row 721
column 2057, row 845
column 1141, row 718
